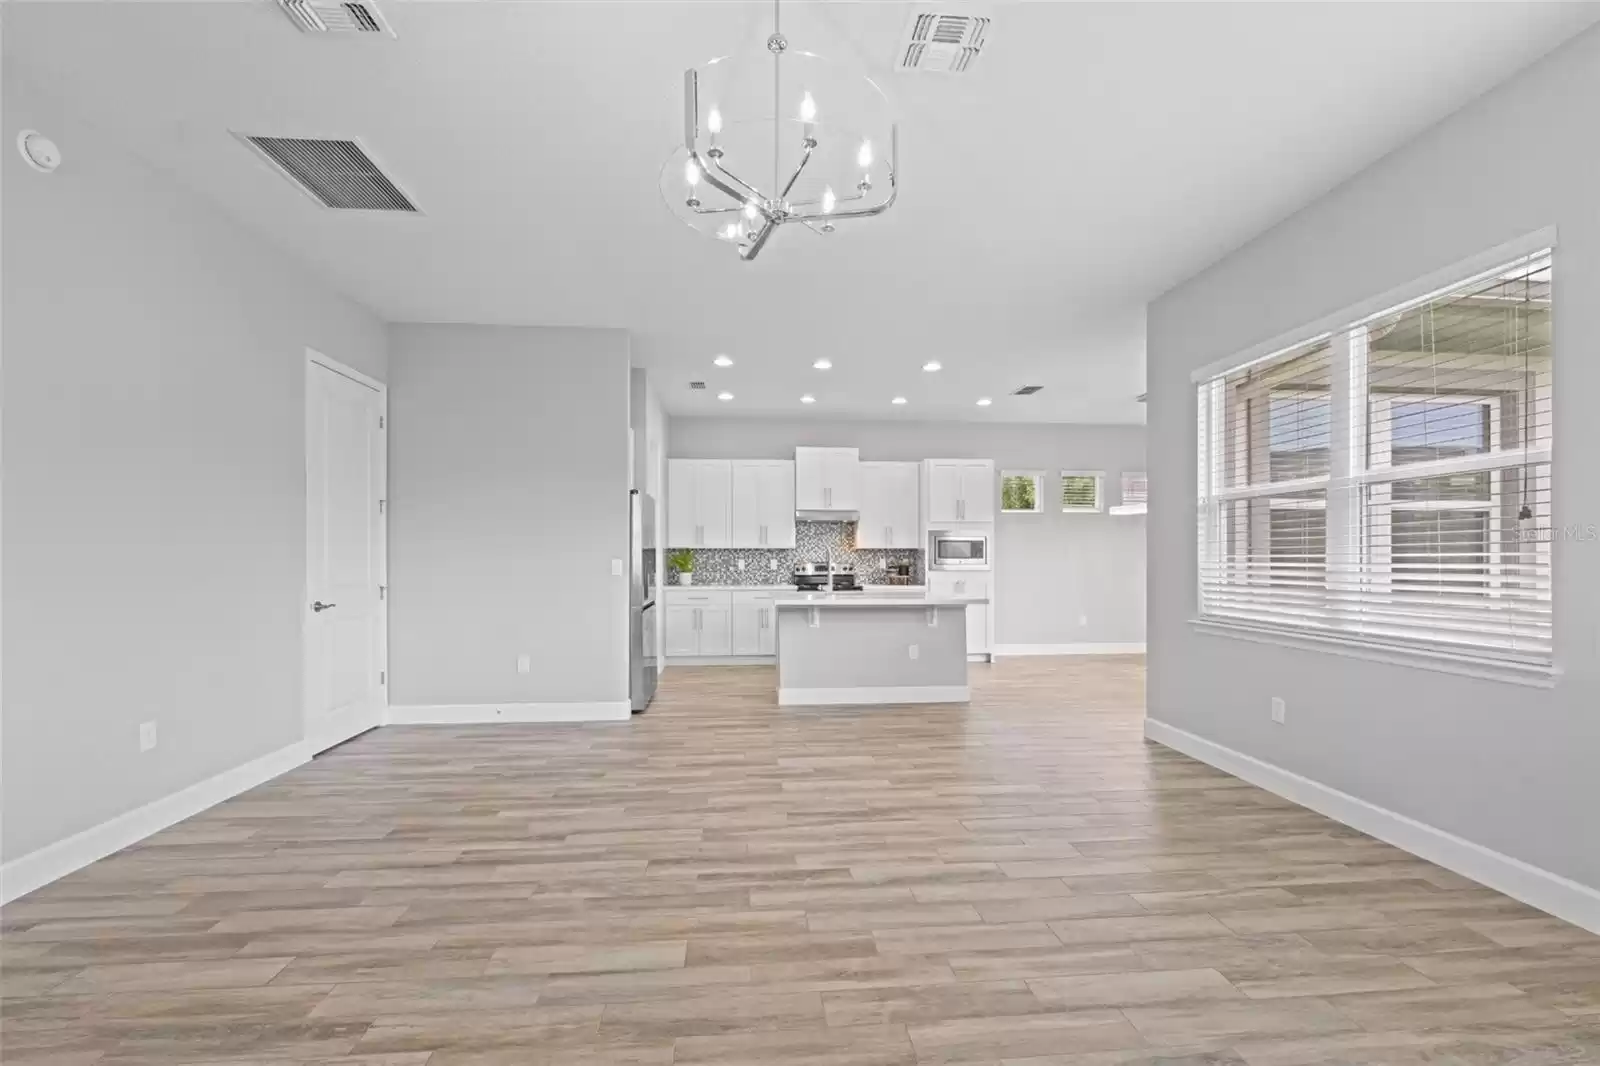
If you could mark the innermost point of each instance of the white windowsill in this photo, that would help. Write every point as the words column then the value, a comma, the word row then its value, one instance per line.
column 1529, row 674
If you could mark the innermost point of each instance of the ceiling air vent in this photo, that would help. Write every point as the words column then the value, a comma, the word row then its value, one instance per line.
column 697, row 386
column 337, row 174
column 941, row 44
column 331, row 16
column 1027, row 390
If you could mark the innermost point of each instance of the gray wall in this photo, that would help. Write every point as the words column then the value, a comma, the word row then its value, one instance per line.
column 1511, row 768
column 509, row 471
column 154, row 471
column 1052, row 570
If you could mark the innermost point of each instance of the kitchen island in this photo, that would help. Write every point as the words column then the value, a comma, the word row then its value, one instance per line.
column 879, row 646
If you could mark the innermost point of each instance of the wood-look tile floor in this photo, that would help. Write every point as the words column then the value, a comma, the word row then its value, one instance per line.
column 719, row 882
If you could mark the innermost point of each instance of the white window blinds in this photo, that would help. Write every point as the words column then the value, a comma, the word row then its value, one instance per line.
column 1080, row 491
column 1391, row 481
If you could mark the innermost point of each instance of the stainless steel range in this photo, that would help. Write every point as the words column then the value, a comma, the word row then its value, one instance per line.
column 823, row 577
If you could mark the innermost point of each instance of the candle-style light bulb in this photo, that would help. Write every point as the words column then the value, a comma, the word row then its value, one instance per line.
column 714, row 121
column 730, row 232
column 750, row 210
column 828, row 199
column 808, row 120
column 864, row 156
column 691, row 173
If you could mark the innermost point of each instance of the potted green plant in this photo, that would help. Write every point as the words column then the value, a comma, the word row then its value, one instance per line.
column 682, row 561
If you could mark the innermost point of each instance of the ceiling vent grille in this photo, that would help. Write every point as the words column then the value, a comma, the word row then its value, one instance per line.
column 337, row 174
column 1027, row 390
column 333, row 16
column 941, row 44
column 697, row 386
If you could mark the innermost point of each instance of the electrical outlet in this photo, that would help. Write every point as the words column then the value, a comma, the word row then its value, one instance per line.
column 616, row 568
column 740, row 564
column 772, row 564
column 1279, row 709
column 1083, row 619
column 913, row 651
column 147, row 735
column 524, row 663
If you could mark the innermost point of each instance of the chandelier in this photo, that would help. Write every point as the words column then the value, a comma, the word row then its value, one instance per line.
column 818, row 126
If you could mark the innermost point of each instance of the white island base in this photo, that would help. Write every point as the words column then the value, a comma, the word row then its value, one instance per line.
column 871, row 648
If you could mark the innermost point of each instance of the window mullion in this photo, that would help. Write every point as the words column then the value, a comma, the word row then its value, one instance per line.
column 1347, row 423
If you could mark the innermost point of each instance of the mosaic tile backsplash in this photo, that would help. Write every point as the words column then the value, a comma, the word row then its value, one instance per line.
column 720, row 566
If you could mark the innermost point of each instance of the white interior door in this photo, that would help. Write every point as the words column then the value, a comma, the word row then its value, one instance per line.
column 346, row 635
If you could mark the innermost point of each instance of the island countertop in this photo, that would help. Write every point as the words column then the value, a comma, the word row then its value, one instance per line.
column 875, row 598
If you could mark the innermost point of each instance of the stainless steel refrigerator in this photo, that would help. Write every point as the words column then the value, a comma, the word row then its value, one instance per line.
column 642, row 612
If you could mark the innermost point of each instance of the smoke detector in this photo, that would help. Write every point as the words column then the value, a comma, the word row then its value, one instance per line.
column 940, row 42
column 334, row 16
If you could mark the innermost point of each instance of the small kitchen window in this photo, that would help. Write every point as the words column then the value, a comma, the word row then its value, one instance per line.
column 1021, row 492
column 1081, row 491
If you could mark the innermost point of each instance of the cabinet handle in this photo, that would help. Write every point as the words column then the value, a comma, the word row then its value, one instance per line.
column 697, row 618
column 827, row 497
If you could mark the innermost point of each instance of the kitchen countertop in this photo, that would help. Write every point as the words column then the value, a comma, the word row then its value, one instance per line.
column 887, row 596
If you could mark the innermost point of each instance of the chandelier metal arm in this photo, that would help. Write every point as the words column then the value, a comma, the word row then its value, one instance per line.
column 753, row 249
column 805, row 158
column 876, row 209
column 714, row 176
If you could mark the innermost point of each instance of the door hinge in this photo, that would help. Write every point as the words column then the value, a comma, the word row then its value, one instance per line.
column 382, row 504
column 383, row 677
column 380, row 421
column 382, row 591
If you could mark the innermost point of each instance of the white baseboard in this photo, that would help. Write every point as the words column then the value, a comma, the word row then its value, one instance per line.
column 1129, row 648
column 22, row 875
column 1550, row 892
column 488, row 713
column 820, row 697
column 724, row 660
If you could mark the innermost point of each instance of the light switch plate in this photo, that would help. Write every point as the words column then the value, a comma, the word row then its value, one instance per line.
column 524, row 663
column 616, row 568
column 1280, row 710
column 913, row 651
column 147, row 735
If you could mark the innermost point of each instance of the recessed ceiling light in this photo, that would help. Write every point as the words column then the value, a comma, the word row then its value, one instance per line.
column 823, row 364
column 984, row 401
column 808, row 398
column 931, row 365
column 724, row 396
column 898, row 400
column 722, row 360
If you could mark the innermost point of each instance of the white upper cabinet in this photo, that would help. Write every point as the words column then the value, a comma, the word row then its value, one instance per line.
column 763, row 503
column 890, row 506
column 699, row 503
column 960, row 490
column 827, row 479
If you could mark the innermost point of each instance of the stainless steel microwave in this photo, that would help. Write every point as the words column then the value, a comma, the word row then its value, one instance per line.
column 952, row 550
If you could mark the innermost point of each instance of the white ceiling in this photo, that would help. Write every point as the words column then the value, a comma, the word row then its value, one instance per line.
column 1098, row 154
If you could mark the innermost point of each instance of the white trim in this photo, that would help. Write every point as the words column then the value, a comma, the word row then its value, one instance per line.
column 329, row 363
column 1432, row 283
column 37, row 868
column 1533, row 675
column 1550, row 892
column 723, row 660
column 492, row 713
column 827, row 697
column 1112, row 648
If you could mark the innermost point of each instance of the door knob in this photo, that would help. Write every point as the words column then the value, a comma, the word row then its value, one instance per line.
column 319, row 606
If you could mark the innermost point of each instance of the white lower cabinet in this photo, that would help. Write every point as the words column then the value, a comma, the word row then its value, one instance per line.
column 973, row 583
column 754, row 624
column 698, row 623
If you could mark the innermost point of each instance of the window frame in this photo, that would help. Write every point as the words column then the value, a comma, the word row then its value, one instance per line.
column 1139, row 506
column 1353, row 473
column 1099, row 492
column 1038, row 491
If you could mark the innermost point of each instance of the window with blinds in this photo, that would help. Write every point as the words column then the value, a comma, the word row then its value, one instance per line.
column 1080, row 491
column 1390, row 481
